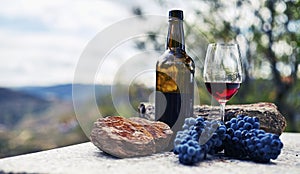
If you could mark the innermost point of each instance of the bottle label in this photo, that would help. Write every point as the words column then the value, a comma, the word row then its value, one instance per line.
column 174, row 94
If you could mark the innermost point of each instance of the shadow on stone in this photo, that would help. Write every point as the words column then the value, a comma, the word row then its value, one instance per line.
column 106, row 155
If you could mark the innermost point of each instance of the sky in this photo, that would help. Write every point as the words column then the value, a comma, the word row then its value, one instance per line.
column 42, row 41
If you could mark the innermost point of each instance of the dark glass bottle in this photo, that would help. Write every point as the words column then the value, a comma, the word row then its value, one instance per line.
column 174, row 98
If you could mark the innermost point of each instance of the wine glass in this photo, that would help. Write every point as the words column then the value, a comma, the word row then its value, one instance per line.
column 222, row 72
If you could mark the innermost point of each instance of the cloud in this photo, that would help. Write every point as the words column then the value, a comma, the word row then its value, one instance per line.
column 64, row 14
column 37, row 56
column 41, row 41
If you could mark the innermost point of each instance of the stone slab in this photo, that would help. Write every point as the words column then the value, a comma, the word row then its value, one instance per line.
column 86, row 158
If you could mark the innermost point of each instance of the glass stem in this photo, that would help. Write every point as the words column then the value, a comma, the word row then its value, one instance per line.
column 222, row 111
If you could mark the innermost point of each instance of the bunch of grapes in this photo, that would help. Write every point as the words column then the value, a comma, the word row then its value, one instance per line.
column 244, row 139
column 197, row 139
column 261, row 146
column 239, row 138
column 236, row 130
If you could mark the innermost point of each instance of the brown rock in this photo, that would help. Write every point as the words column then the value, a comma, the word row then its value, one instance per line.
column 133, row 137
column 160, row 131
column 271, row 120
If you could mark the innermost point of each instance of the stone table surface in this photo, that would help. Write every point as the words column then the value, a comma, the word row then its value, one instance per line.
column 86, row 158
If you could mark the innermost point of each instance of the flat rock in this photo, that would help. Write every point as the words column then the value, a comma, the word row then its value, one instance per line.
column 160, row 131
column 132, row 137
column 271, row 120
column 86, row 158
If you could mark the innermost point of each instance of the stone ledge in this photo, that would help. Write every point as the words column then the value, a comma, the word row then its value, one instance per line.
column 86, row 158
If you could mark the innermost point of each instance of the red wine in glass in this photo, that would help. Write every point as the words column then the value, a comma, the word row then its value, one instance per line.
column 222, row 91
column 222, row 72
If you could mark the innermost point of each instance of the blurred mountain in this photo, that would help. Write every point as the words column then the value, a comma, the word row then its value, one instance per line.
column 39, row 118
column 14, row 105
column 64, row 92
column 17, row 103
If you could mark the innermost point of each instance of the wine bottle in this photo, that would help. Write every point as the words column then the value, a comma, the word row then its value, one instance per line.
column 174, row 97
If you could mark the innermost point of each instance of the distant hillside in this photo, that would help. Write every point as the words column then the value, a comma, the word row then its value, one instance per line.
column 17, row 103
column 64, row 92
column 41, row 118
column 14, row 105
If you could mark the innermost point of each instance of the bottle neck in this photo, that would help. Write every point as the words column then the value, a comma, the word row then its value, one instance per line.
column 175, row 37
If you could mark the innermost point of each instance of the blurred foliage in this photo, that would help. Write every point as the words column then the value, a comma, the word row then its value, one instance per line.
column 137, row 93
column 54, row 127
column 105, row 104
column 268, row 32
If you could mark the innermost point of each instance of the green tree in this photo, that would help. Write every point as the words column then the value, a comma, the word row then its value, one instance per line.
column 268, row 32
column 271, row 37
